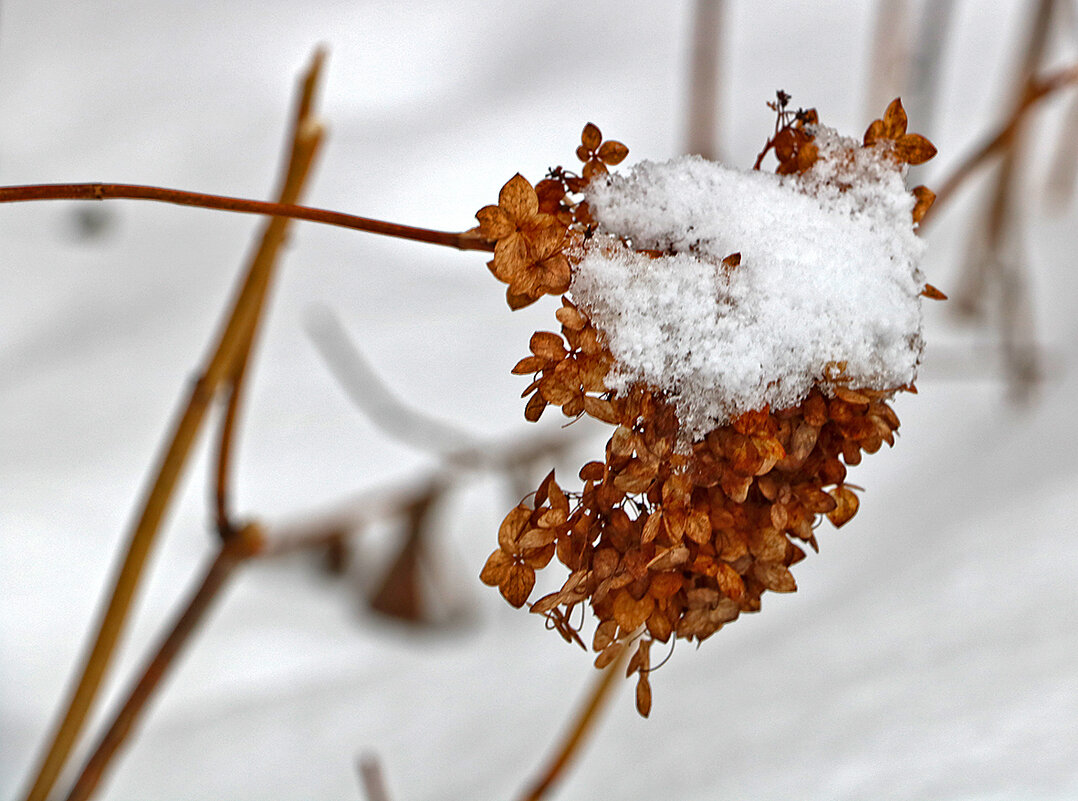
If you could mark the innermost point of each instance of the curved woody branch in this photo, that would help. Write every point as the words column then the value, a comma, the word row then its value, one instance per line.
column 465, row 240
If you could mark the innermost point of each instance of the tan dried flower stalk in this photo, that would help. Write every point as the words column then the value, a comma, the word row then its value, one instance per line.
column 665, row 542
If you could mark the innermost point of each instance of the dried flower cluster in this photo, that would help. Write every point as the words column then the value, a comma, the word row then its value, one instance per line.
column 667, row 541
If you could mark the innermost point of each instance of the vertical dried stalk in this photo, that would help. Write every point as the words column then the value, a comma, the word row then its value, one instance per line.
column 999, row 235
column 936, row 18
column 229, row 349
column 306, row 136
column 890, row 55
column 703, row 98
column 228, row 557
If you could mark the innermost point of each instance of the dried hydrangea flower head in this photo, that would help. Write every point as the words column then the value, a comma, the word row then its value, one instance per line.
column 743, row 332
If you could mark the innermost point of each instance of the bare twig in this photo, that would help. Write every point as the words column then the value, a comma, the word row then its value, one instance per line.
column 230, row 348
column 231, row 553
column 370, row 393
column 305, row 138
column 1063, row 176
column 586, row 717
column 466, row 240
column 703, row 100
column 995, row 252
column 1003, row 138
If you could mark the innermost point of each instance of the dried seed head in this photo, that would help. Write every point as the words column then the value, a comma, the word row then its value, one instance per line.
column 699, row 504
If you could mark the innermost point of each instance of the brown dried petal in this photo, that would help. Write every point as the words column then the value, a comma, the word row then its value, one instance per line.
column 529, row 364
column 591, row 137
column 894, row 120
column 609, row 654
column 571, row 317
column 698, row 527
column 670, row 558
column 643, row 695
column 874, row 133
column 600, row 409
column 517, row 584
column 651, row 527
column 631, row 613
column 612, row 152
column 536, row 538
column 622, row 442
column 914, row 149
column 640, row 660
column 665, row 585
column 494, row 224
column 518, row 199
column 519, row 301
column 534, row 410
column 775, row 576
column 496, row 568
column 593, row 168
column 557, row 274
column 604, row 635
column 932, row 293
column 637, row 477
column 846, row 506
column 538, row 558
column 925, row 198
column 548, row 345
column 512, row 527
column 511, row 258
column 592, row 471
column 557, row 392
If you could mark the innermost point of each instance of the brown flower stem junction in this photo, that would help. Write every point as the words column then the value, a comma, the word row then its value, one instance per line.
column 1001, row 140
column 465, row 240
column 586, row 717
column 230, row 555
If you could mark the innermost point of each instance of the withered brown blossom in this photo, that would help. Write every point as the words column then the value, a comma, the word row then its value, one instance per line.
column 664, row 541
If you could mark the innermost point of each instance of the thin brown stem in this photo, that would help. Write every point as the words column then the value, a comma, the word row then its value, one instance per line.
column 201, row 601
column 586, row 718
column 113, row 618
column 140, row 542
column 306, row 137
column 466, row 240
column 1001, row 140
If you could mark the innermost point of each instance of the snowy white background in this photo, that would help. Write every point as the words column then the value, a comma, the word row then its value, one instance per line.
column 932, row 648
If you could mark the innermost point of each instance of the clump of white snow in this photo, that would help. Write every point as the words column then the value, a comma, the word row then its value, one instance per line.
column 828, row 274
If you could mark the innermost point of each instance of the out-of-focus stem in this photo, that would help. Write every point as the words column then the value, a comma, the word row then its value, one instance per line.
column 1001, row 140
column 704, row 83
column 465, row 240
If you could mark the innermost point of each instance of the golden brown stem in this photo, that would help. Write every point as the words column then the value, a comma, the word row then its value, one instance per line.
column 139, row 543
column 1001, row 140
column 585, row 719
column 306, row 137
column 228, row 557
column 466, row 240
column 230, row 348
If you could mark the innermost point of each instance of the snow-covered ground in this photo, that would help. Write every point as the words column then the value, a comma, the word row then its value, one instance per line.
column 932, row 648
